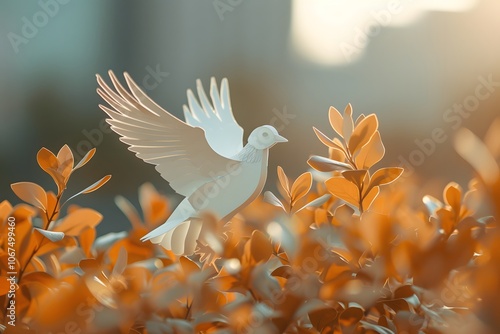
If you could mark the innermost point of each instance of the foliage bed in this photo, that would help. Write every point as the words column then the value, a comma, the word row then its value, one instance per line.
column 344, row 248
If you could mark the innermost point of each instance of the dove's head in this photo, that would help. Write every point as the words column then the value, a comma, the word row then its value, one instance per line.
column 264, row 137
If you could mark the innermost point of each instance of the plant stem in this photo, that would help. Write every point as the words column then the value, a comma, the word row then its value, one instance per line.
column 188, row 307
column 35, row 250
column 55, row 212
column 361, row 198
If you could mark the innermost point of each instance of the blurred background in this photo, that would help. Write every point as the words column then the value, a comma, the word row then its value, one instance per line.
column 425, row 68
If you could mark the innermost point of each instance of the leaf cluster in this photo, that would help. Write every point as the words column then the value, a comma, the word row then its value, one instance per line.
column 338, row 250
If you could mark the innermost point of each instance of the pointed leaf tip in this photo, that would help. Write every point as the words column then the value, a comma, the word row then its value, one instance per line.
column 46, row 159
column 301, row 186
column 348, row 124
column 452, row 195
column 92, row 187
column 371, row 153
column 323, row 164
column 96, row 185
column 49, row 163
column 85, row 159
column 66, row 161
column 285, row 184
column 270, row 198
column 336, row 120
column 316, row 203
column 384, row 176
column 325, row 140
column 363, row 132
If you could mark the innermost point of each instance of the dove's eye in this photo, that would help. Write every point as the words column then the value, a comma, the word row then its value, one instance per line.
column 265, row 134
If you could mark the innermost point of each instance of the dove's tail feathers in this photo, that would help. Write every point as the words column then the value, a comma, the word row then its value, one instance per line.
column 182, row 213
column 182, row 239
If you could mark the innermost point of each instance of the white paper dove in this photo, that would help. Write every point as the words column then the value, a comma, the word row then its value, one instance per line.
column 202, row 158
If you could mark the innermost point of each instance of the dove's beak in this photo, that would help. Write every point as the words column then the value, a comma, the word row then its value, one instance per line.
column 280, row 139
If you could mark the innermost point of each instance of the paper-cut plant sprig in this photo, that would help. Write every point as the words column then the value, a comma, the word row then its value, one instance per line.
column 351, row 157
column 79, row 221
column 60, row 167
column 294, row 193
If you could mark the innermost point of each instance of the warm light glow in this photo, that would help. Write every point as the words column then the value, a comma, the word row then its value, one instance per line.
column 336, row 32
column 232, row 265
column 274, row 230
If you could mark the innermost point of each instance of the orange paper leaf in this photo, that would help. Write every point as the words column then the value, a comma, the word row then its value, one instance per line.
column 369, row 197
column 370, row 153
column 343, row 189
column 66, row 161
column 79, row 220
column 85, row 159
column 363, row 133
column 92, row 187
column 453, row 196
column 355, row 176
column 348, row 124
column 301, row 186
column 261, row 248
column 31, row 193
column 50, row 164
column 385, row 176
column 336, row 120
column 325, row 140
column 285, row 184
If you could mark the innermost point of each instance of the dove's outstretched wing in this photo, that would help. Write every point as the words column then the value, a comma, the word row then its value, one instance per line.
column 180, row 151
column 222, row 131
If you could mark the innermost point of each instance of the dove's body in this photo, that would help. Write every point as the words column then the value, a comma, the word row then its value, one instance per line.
column 223, row 197
column 203, row 159
column 252, row 170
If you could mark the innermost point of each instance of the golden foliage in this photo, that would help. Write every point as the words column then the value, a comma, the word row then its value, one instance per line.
column 358, row 149
column 341, row 253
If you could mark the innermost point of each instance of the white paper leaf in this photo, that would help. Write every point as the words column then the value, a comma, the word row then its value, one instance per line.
column 270, row 198
column 327, row 165
column 107, row 240
column 72, row 256
column 52, row 236
column 121, row 262
column 317, row 202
